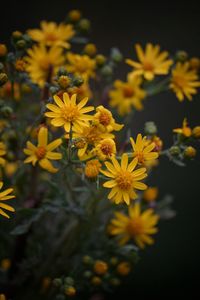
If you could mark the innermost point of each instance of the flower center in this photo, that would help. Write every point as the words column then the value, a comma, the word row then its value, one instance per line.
column 104, row 119
column 91, row 135
column 70, row 113
column 51, row 37
column 148, row 66
column 44, row 64
column 187, row 131
column 124, row 180
column 179, row 81
column 135, row 227
column 128, row 91
column 107, row 149
column 40, row 152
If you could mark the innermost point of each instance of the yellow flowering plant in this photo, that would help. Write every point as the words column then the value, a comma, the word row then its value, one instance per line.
column 76, row 174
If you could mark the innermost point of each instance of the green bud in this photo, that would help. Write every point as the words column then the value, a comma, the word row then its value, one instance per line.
column 84, row 25
column 87, row 274
column 106, row 71
column 3, row 78
column 62, row 71
column 1, row 67
column 88, row 260
column 10, row 155
column 57, row 282
column 21, row 44
column 181, row 56
column 53, row 90
column 150, row 128
column 7, row 111
column 16, row 35
column 69, row 281
column 115, row 281
column 114, row 261
column 174, row 150
column 78, row 81
column 116, row 55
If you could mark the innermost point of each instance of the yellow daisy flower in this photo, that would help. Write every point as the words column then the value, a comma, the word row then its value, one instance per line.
column 184, row 81
column 2, row 153
column 151, row 62
column 42, row 63
column 105, row 121
column 142, row 150
column 4, row 196
column 81, row 65
column 105, row 149
column 92, row 168
column 42, row 153
column 68, row 113
column 127, row 95
column 137, row 226
column 125, row 179
column 87, row 137
column 52, row 34
column 185, row 130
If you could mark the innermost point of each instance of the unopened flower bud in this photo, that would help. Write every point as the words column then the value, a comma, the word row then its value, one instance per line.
column 196, row 132
column 90, row 49
column 116, row 55
column 70, row 291
column 7, row 111
column 69, row 280
column 150, row 128
column 16, row 35
column 174, row 150
column 84, row 25
column 78, row 80
column 3, row 50
column 21, row 44
column 190, row 152
column 100, row 59
column 74, row 15
column 115, row 281
column 106, row 71
column 57, row 282
column 64, row 81
column 3, row 78
column 181, row 56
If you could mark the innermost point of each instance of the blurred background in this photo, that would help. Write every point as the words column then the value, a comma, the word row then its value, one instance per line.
column 172, row 265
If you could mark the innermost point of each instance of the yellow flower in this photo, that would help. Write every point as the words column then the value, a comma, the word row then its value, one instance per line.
column 52, row 34
column 142, row 151
column 89, row 136
column 124, row 179
column 105, row 149
column 100, row 267
column 96, row 280
column 196, row 132
column 81, row 65
column 42, row 153
column 5, row 264
column 104, row 119
column 2, row 153
column 2, row 297
column 42, row 63
column 151, row 62
column 70, row 291
column 190, row 152
column 137, row 226
column 123, row 268
column 184, row 81
column 186, row 131
column 92, row 168
column 4, row 196
column 150, row 194
column 68, row 113
column 127, row 95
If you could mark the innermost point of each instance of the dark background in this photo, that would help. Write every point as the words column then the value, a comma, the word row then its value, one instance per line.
column 172, row 265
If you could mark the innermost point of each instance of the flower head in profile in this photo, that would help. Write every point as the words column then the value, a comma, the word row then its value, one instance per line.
column 81, row 65
column 43, row 152
column 4, row 196
column 52, row 34
column 151, row 62
column 184, row 81
column 105, row 121
column 185, row 131
column 2, row 153
column 143, row 150
column 87, row 138
column 68, row 113
column 127, row 95
column 137, row 226
column 124, row 179
column 42, row 63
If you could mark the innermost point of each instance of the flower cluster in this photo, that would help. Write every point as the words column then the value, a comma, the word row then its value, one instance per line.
column 71, row 154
